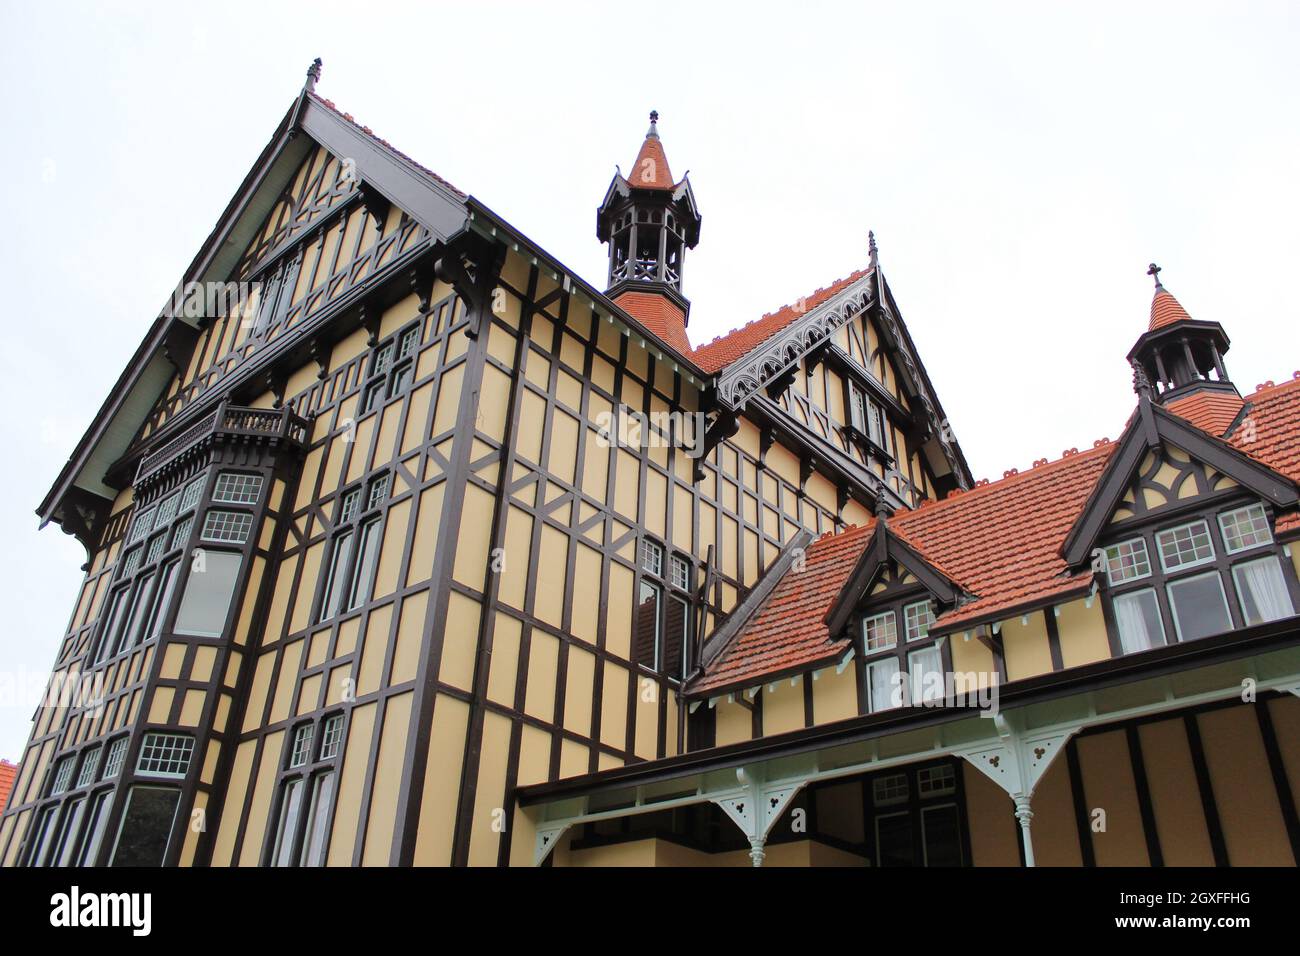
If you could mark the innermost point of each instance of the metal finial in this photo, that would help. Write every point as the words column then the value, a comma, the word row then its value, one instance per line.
column 871, row 248
column 313, row 74
column 654, row 118
column 1153, row 270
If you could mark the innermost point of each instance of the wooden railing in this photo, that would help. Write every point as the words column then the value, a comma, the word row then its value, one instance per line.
column 226, row 419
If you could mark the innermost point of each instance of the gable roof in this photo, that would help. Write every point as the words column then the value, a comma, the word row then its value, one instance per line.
column 788, row 633
column 1001, row 542
column 422, row 194
column 722, row 351
column 1151, row 426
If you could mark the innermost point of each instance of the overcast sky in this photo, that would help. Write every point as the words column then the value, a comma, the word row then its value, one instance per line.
column 1020, row 165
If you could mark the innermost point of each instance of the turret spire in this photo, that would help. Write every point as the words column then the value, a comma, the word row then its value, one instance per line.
column 649, row 221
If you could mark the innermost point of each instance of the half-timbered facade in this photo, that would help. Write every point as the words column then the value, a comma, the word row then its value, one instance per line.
column 406, row 545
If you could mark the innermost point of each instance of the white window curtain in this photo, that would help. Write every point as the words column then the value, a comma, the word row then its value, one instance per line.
column 886, row 691
column 1263, row 591
column 1134, row 614
column 926, row 667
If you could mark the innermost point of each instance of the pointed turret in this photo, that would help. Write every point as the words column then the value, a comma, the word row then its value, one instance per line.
column 1178, row 362
column 649, row 221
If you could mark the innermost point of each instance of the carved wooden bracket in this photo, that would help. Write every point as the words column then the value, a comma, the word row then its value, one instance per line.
column 724, row 426
column 320, row 354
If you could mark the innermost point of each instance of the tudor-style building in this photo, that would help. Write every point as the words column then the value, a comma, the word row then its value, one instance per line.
column 371, row 579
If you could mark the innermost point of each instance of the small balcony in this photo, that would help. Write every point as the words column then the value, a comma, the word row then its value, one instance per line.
column 225, row 423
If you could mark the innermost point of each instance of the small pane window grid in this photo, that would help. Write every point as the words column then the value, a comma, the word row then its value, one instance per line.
column 891, row 789
column 936, row 781
column 182, row 532
column 89, row 764
column 383, row 359
column 351, row 501
column 167, row 509
column 157, row 546
column 1127, row 561
column 237, row 489
column 681, row 573
column 190, row 496
column 143, row 525
column 1245, row 528
column 63, row 775
column 116, row 757
column 302, row 738
column 881, row 631
column 378, row 492
column 652, row 557
column 917, row 619
column 331, row 735
column 409, row 339
column 165, row 755
column 132, row 560
column 1185, row 546
column 227, row 526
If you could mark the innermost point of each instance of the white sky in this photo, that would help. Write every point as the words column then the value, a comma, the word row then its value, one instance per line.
column 1020, row 165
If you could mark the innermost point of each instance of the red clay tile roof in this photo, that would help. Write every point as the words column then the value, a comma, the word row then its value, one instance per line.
column 721, row 352
column 1270, row 433
column 8, row 774
column 787, row 631
column 1212, row 412
column 1165, row 310
column 650, row 171
column 658, row 314
column 329, row 105
column 999, row 541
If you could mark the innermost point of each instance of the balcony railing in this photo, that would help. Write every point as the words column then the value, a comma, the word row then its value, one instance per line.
column 226, row 420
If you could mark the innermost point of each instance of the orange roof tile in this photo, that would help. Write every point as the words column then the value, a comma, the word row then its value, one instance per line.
column 1269, row 433
column 999, row 542
column 650, row 171
column 8, row 774
column 787, row 631
column 658, row 314
column 1165, row 310
column 1213, row 412
column 722, row 351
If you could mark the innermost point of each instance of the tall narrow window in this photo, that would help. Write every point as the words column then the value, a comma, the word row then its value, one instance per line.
column 364, row 569
column 1137, row 616
column 96, row 823
column 322, row 797
column 287, row 826
column 1261, row 590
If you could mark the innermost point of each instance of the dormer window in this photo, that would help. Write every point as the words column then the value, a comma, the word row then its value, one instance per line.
column 1196, row 590
column 904, row 672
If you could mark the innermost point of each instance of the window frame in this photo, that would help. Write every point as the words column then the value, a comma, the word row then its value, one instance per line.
column 383, row 384
column 659, row 576
column 348, row 582
column 307, row 779
column 1223, row 562
column 895, row 602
